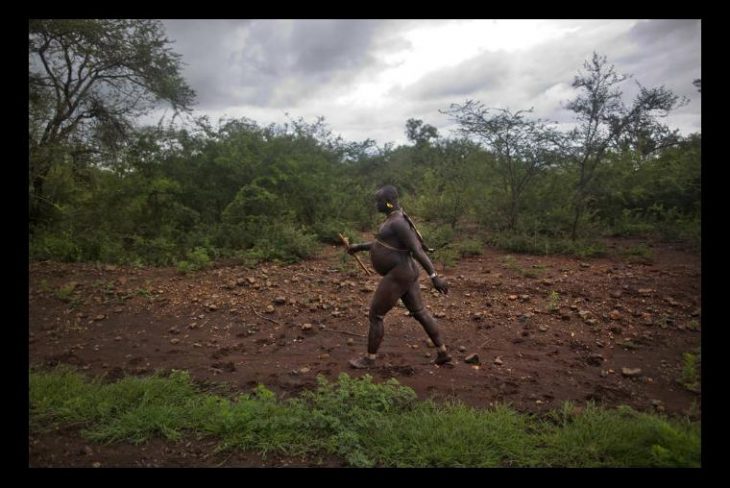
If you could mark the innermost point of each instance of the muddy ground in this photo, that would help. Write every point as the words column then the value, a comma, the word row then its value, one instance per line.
column 546, row 329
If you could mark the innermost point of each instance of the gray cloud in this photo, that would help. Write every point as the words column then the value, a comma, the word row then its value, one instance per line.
column 268, row 67
column 272, row 62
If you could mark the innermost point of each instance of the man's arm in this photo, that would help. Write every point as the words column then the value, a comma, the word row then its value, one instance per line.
column 408, row 237
column 364, row 246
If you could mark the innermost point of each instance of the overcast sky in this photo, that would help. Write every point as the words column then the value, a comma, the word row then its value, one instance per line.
column 367, row 77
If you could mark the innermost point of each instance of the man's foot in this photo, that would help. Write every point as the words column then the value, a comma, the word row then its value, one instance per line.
column 442, row 358
column 362, row 363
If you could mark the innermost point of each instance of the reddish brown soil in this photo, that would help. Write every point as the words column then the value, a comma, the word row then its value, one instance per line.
column 215, row 324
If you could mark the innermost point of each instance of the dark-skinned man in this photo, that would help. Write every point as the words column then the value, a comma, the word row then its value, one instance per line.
column 396, row 252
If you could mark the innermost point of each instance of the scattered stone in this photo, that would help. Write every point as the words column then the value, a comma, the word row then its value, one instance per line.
column 324, row 356
column 583, row 314
column 279, row 301
column 100, row 317
column 429, row 343
column 173, row 330
column 614, row 315
column 658, row 405
column 212, row 307
column 304, row 370
column 197, row 344
column 477, row 316
column 251, row 280
column 96, row 464
column 525, row 317
column 616, row 294
column 462, row 349
column 595, row 359
column 427, row 354
column 307, row 327
column 336, row 313
column 118, row 338
column 350, row 341
column 543, row 328
column 472, row 359
column 439, row 315
column 118, row 309
column 512, row 297
column 591, row 321
column 524, row 298
column 645, row 291
column 498, row 361
column 175, row 341
column 631, row 372
column 269, row 309
column 585, row 265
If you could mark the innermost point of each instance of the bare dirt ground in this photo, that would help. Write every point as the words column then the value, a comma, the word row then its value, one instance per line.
column 546, row 329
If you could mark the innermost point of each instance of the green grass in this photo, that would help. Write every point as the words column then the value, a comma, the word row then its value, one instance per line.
column 361, row 422
column 511, row 263
column 690, row 374
column 538, row 244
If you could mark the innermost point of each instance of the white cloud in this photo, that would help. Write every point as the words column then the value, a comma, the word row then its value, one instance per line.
column 367, row 77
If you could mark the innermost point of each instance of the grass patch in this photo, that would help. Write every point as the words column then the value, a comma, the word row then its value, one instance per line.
column 509, row 262
column 690, row 371
column 639, row 254
column 362, row 422
column 553, row 301
column 537, row 244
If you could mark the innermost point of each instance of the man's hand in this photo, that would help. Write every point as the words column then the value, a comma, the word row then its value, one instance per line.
column 440, row 285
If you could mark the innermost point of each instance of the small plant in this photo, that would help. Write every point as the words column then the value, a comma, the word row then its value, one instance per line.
column 65, row 293
column 44, row 286
column 470, row 247
column 690, row 375
column 447, row 256
column 553, row 301
column 639, row 254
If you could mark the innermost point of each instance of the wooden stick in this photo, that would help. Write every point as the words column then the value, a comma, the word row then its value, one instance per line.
column 347, row 246
column 266, row 318
column 344, row 332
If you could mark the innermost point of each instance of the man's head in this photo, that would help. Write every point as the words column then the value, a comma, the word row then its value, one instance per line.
column 387, row 199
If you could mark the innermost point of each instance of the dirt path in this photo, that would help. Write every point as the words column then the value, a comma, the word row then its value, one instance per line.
column 546, row 330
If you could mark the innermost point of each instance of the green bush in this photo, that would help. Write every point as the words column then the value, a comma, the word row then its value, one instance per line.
column 470, row 247
column 59, row 247
column 282, row 241
column 538, row 244
column 327, row 230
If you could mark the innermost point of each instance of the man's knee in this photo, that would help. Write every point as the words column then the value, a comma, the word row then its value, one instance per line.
column 375, row 318
column 420, row 314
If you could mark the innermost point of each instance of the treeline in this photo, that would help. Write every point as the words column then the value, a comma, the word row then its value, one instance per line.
column 261, row 193
column 102, row 189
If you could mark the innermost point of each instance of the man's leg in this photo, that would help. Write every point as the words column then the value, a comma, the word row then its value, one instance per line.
column 414, row 303
column 386, row 296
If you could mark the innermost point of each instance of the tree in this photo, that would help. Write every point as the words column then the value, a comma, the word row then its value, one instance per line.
column 88, row 81
column 420, row 133
column 522, row 146
column 605, row 123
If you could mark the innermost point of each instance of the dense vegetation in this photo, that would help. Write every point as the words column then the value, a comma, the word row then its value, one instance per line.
column 104, row 189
